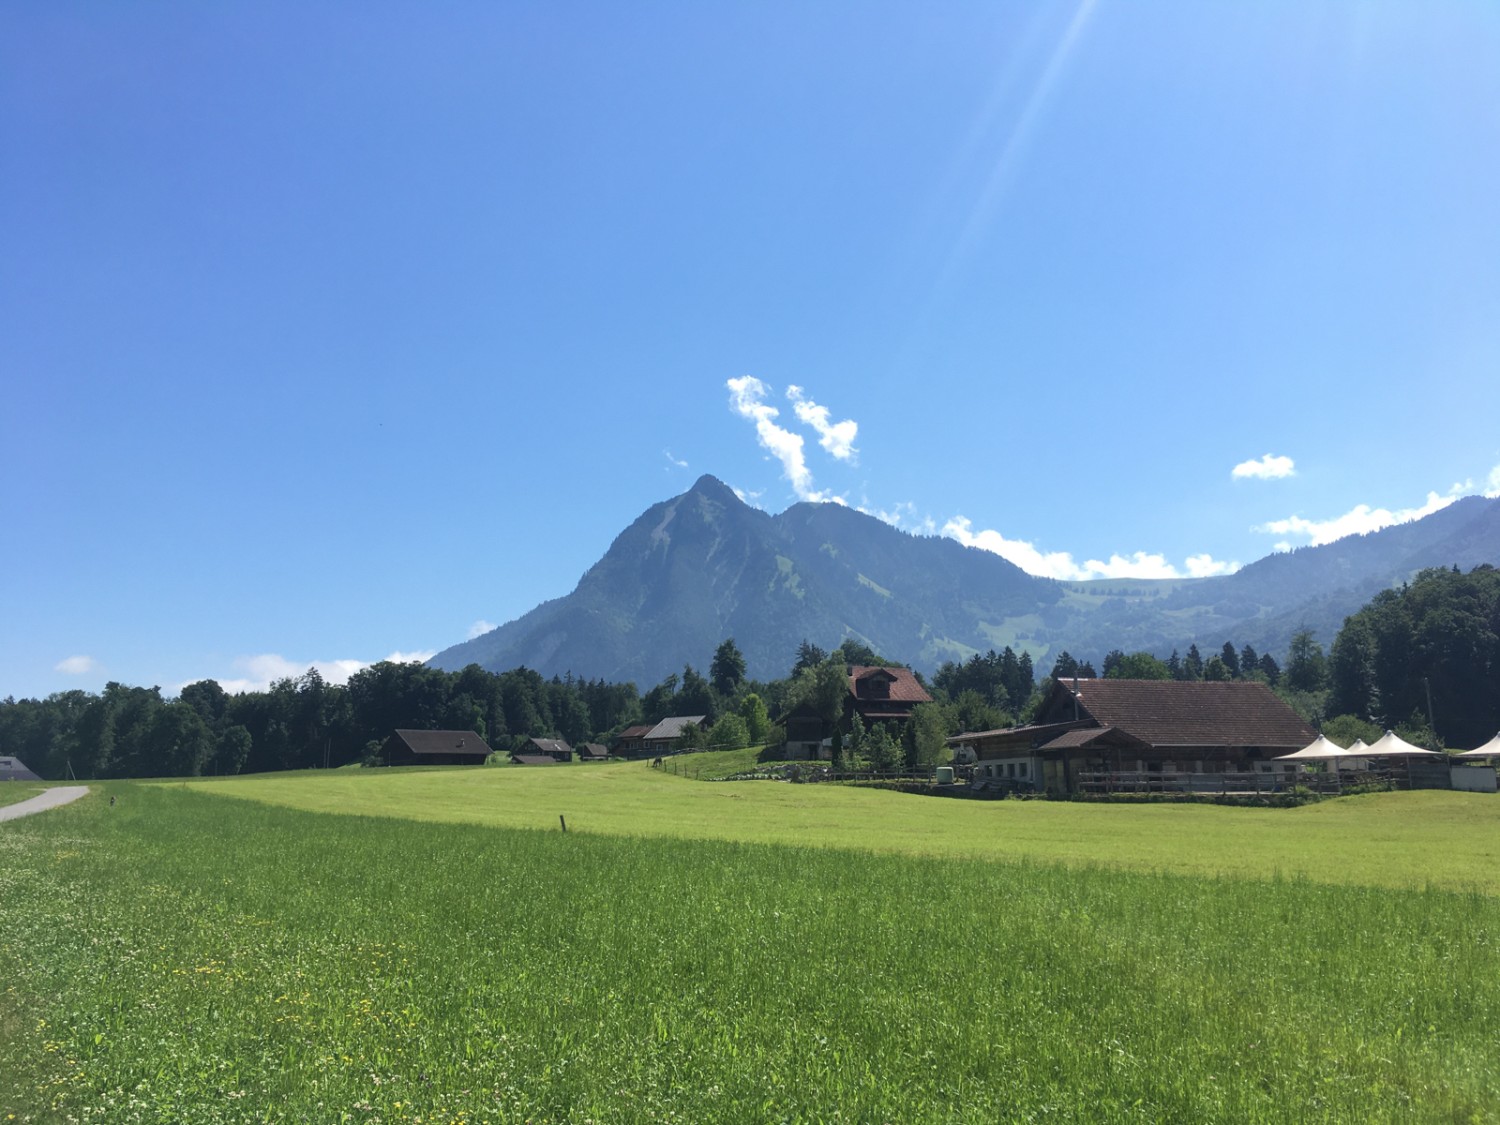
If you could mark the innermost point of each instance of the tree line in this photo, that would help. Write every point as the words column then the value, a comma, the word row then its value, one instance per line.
column 1423, row 659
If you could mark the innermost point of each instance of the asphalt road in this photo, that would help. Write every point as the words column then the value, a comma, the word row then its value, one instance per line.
column 48, row 800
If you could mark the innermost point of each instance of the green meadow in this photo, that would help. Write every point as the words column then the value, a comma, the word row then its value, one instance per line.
column 1388, row 839
column 14, row 792
column 429, row 946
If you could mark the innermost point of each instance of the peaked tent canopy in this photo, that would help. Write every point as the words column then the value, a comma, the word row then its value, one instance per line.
column 1393, row 746
column 1490, row 749
column 1319, row 750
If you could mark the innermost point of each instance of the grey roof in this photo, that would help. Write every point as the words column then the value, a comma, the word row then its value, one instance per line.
column 533, row 759
column 550, row 746
column 443, row 742
column 13, row 769
column 671, row 728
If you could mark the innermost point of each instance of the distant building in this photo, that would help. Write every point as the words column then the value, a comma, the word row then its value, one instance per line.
column 13, row 769
column 1112, row 727
column 434, row 748
column 662, row 738
column 631, row 742
column 593, row 752
column 876, row 694
column 554, row 748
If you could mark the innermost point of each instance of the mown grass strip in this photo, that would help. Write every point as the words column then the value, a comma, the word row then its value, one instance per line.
column 1391, row 839
column 14, row 792
column 179, row 957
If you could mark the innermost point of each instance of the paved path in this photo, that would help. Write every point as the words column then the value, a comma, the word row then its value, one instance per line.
column 48, row 800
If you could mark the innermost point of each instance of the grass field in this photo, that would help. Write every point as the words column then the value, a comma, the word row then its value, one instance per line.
column 182, row 957
column 1390, row 839
column 14, row 792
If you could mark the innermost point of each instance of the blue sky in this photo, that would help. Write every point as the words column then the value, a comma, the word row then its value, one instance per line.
column 329, row 333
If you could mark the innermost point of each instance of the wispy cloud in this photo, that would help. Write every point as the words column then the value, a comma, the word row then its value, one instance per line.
column 1061, row 564
column 835, row 437
column 902, row 516
column 1492, row 483
column 77, row 666
column 259, row 672
column 747, row 398
column 1360, row 519
column 480, row 628
column 1268, row 467
column 674, row 462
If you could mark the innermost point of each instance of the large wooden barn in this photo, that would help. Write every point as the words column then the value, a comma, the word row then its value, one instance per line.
column 434, row 748
column 1187, row 734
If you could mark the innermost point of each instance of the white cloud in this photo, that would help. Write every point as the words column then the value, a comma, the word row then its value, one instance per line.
column 1061, row 564
column 257, row 673
column 1492, row 483
column 675, row 462
column 480, row 628
column 1359, row 520
column 835, row 437
column 751, row 498
column 1206, row 566
column 1141, row 564
column 747, row 399
column 1056, row 564
column 1267, row 468
column 77, row 666
column 421, row 656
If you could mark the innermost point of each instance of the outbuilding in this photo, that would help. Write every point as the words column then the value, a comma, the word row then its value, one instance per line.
column 13, row 769
column 434, row 748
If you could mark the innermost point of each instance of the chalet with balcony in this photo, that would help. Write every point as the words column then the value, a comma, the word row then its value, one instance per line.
column 876, row 695
column 1189, row 735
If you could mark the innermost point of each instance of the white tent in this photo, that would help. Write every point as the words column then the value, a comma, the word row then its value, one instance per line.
column 1393, row 746
column 1320, row 750
column 1361, row 752
column 1490, row 749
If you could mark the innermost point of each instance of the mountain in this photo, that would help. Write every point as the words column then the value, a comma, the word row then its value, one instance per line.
column 703, row 566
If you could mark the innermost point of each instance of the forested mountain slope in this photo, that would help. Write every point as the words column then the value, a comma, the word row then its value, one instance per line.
column 703, row 566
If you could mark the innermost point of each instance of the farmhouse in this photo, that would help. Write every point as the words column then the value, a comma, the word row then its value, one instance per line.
column 876, row 695
column 13, row 769
column 434, row 748
column 593, row 752
column 1190, row 735
column 652, row 739
column 631, row 742
column 554, row 748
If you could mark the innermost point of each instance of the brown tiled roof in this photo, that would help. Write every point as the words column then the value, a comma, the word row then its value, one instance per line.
column 636, row 732
column 592, row 750
column 443, row 742
column 904, row 685
column 1202, row 713
column 550, row 745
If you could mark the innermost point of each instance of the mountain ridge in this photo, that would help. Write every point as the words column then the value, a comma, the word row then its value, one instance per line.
column 703, row 565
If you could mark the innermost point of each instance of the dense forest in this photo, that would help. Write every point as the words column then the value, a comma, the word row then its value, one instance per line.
column 1423, row 659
